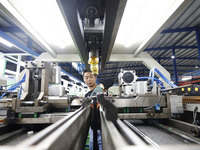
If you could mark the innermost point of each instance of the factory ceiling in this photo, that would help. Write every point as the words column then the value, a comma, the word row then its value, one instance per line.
column 72, row 29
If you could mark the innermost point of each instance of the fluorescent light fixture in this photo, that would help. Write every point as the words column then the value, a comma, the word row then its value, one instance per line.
column 44, row 20
column 75, row 65
column 5, row 42
column 10, row 72
column 186, row 78
column 142, row 19
column 172, row 56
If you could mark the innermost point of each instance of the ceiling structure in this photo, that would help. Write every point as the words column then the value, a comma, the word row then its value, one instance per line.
column 176, row 33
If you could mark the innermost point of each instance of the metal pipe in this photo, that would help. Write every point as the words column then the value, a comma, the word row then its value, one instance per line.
column 111, row 137
column 116, row 135
column 141, row 134
column 131, row 137
column 30, row 103
column 27, row 103
column 53, row 133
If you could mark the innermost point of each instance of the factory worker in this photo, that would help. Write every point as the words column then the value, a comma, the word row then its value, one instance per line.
column 90, row 81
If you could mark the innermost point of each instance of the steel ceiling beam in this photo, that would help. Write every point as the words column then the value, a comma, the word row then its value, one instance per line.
column 18, row 45
column 102, row 74
column 11, row 29
column 145, row 67
column 23, row 48
column 188, row 29
column 8, row 9
column 59, row 58
column 176, row 58
column 114, row 11
column 144, row 45
column 70, row 15
column 170, row 47
column 174, row 66
column 108, row 63
column 197, row 31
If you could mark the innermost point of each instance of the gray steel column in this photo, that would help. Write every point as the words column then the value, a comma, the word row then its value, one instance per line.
column 198, row 41
column 174, row 66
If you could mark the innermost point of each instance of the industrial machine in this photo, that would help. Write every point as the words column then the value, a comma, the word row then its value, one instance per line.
column 38, row 94
column 140, row 98
column 145, row 99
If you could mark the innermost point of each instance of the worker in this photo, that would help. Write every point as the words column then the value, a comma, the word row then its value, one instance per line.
column 90, row 80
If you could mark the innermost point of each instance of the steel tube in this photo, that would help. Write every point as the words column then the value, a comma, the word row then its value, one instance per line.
column 64, row 134
column 141, row 134
column 111, row 137
column 131, row 137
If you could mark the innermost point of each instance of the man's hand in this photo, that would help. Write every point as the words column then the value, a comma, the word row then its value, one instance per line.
column 102, row 86
column 96, row 91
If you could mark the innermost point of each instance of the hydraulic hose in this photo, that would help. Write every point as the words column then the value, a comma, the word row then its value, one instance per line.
column 151, row 77
column 12, row 88
column 146, row 78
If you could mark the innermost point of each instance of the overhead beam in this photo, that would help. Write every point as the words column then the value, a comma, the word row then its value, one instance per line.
column 70, row 14
column 59, row 58
column 18, row 45
column 174, row 66
column 114, row 11
column 149, row 39
column 189, row 66
column 188, row 29
column 197, row 31
column 11, row 29
column 8, row 9
column 169, row 47
column 139, row 70
column 16, row 54
column 176, row 58
column 65, row 65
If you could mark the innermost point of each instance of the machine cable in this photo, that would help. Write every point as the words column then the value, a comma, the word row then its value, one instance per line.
column 151, row 77
column 13, row 87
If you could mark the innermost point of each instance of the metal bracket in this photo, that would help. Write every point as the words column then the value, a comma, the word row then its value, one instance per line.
column 10, row 117
column 110, row 110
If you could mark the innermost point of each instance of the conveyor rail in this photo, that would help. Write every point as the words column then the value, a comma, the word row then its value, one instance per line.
column 68, row 133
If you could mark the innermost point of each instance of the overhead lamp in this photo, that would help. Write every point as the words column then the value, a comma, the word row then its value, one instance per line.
column 5, row 42
column 44, row 20
column 142, row 18
column 186, row 78
column 172, row 56
column 10, row 72
column 75, row 65
column 196, row 67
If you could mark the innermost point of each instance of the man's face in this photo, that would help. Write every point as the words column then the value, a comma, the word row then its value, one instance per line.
column 89, row 79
